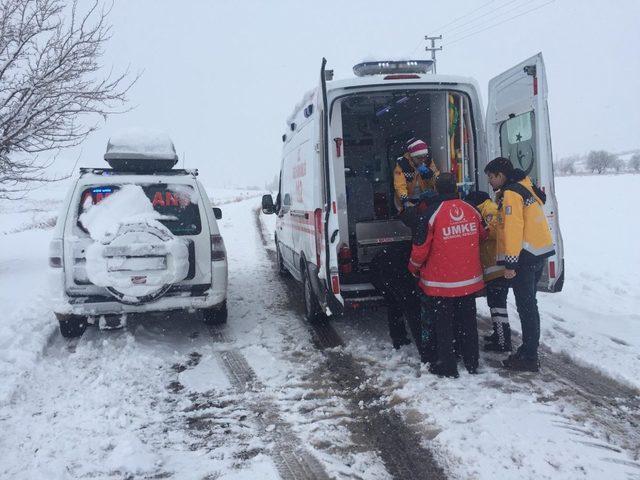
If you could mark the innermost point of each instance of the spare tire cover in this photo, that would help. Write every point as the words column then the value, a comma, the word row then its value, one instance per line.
column 139, row 263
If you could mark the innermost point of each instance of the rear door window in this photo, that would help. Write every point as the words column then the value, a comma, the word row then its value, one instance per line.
column 517, row 143
column 177, row 203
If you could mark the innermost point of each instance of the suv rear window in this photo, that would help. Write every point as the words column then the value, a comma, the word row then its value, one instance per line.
column 177, row 202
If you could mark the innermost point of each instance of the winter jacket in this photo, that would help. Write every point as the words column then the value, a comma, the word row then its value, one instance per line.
column 408, row 183
column 523, row 235
column 446, row 249
column 489, row 211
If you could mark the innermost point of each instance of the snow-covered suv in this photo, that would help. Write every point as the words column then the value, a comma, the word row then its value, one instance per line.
column 138, row 237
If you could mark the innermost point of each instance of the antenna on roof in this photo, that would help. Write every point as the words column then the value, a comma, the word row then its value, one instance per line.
column 433, row 49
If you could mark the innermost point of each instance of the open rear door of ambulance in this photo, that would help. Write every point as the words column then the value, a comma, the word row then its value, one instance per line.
column 518, row 129
column 328, row 251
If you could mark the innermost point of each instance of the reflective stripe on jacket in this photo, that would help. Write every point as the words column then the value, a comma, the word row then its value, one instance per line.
column 523, row 234
column 446, row 249
column 408, row 184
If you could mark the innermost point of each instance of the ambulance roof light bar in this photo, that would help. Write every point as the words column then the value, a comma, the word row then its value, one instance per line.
column 394, row 66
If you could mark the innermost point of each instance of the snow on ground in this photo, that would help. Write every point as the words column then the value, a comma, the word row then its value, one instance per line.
column 596, row 318
column 153, row 398
column 27, row 322
column 222, row 196
column 500, row 426
column 25, row 231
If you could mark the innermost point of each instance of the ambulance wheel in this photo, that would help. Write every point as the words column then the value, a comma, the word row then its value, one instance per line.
column 282, row 271
column 72, row 325
column 215, row 316
column 312, row 311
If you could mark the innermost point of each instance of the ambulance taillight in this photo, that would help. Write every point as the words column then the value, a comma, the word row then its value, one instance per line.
column 344, row 259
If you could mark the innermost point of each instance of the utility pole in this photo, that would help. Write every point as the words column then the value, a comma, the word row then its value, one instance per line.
column 433, row 48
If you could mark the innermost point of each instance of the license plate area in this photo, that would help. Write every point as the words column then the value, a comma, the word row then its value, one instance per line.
column 136, row 264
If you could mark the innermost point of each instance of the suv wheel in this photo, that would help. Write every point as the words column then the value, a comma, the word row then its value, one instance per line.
column 215, row 316
column 72, row 325
column 311, row 306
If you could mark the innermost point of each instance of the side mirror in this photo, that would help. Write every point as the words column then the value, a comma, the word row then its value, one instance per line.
column 217, row 213
column 267, row 205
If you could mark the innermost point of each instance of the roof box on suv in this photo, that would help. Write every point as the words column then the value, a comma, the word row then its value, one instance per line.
column 141, row 150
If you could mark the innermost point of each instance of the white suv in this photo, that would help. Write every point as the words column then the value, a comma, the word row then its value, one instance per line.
column 140, row 237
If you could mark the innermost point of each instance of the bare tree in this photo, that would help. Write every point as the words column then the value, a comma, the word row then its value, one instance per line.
column 567, row 165
column 634, row 162
column 600, row 160
column 51, row 86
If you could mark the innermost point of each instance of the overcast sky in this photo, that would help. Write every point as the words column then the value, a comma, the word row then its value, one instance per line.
column 222, row 76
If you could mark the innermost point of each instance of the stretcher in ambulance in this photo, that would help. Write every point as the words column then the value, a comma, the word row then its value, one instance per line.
column 335, row 200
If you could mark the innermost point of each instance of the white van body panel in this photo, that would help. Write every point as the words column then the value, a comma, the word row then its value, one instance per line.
column 519, row 92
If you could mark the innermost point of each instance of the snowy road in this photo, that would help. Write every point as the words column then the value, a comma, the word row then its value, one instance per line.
column 268, row 396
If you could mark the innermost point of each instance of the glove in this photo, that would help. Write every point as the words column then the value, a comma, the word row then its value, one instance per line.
column 425, row 172
column 407, row 203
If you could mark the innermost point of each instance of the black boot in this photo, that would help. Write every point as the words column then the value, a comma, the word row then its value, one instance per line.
column 502, row 340
column 493, row 338
column 442, row 371
column 521, row 364
column 400, row 342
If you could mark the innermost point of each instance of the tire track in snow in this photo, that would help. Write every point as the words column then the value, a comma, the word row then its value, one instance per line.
column 292, row 460
column 374, row 423
column 611, row 405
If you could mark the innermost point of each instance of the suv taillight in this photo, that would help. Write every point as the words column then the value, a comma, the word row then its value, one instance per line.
column 344, row 259
column 218, row 252
column 55, row 253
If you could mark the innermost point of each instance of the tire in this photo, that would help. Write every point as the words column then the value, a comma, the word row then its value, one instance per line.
column 72, row 326
column 282, row 271
column 215, row 316
column 312, row 311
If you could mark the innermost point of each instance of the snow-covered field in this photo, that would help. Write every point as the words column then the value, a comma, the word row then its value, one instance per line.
column 155, row 400
column 596, row 319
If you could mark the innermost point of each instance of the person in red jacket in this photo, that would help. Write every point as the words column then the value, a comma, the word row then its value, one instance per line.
column 446, row 256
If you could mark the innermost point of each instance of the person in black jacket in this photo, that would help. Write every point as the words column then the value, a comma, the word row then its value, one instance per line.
column 401, row 292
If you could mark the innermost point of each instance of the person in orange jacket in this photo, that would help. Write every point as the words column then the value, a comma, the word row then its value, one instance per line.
column 523, row 242
column 414, row 175
column 497, row 286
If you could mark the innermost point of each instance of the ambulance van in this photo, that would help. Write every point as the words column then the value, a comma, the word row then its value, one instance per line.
column 335, row 200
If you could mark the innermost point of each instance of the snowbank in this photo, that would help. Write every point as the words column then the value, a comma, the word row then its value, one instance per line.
column 27, row 322
column 596, row 318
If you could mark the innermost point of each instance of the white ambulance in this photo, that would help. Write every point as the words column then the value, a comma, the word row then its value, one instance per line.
column 335, row 203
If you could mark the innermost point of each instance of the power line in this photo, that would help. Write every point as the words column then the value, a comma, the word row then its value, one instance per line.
column 439, row 29
column 499, row 23
column 499, row 7
column 452, row 22
column 488, row 13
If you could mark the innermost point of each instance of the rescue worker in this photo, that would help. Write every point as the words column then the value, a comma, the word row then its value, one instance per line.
column 446, row 256
column 523, row 242
column 497, row 286
column 400, row 291
column 414, row 175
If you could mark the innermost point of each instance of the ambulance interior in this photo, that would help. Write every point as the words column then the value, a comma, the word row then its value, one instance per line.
column 375, row 128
